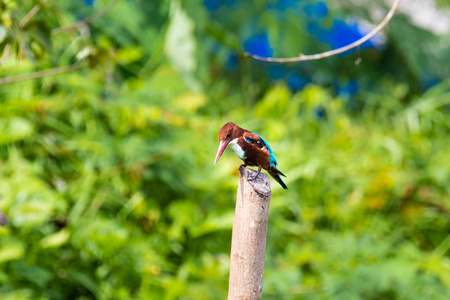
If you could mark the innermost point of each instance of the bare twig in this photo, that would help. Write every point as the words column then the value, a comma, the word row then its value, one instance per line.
column 31, row 14
column 86, row 20
column 5, row 55
column 40, row 74
column 3, row 219
column 355, row 44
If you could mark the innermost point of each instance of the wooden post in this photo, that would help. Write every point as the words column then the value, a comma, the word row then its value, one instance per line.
column 248, row 242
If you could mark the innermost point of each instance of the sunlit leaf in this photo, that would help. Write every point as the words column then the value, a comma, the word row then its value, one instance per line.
column 11, row 251
column 56, row 240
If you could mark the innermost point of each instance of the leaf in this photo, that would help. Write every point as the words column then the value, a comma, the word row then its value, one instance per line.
column 14, row 129
column 191, row 101
column 180, row 43
column 214, row 223
column 34, row 274
column 56, row 240
column 3, row 33
column 41, row 32
column 128, row 55
column 274, row 103
column 86, row 281
column 23, row 293
column 11, row 251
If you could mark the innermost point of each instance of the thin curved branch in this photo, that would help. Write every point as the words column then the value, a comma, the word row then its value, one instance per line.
column 5, row 54
column 31, row 14
column 40, row 74
column 355, row 44
column 86, row 20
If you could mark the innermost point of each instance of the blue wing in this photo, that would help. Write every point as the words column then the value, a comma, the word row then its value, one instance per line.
column 273, row 160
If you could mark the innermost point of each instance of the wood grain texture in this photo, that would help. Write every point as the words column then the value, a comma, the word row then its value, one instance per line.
column 248, row 243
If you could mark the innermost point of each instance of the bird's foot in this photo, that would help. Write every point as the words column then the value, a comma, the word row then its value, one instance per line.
column 251, row 179
column 254, row 177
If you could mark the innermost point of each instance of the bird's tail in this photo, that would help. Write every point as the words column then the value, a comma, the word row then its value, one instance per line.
column 275, row 173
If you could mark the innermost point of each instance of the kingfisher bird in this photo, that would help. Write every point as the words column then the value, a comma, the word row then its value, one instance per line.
column 251, row 148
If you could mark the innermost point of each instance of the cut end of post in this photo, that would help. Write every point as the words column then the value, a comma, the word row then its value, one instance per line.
column 261, row 184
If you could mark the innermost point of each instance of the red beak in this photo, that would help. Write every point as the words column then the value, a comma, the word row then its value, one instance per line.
column 222, row 146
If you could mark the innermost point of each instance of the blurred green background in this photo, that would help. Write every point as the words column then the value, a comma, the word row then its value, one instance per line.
column 107, row 175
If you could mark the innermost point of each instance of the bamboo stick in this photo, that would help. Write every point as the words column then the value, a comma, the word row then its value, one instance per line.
column 248, row 243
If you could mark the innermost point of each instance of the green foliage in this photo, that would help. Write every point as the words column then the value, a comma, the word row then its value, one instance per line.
column 108, row 182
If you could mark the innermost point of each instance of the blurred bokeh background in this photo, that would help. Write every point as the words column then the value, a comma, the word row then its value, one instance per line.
column 106, row 171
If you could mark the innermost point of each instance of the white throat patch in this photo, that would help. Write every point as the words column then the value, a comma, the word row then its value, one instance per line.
column 237, row 149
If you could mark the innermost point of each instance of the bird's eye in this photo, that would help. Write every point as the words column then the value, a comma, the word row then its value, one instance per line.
column 229, row 134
